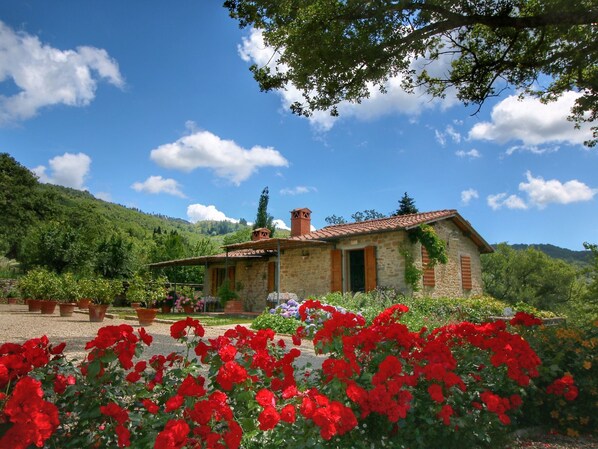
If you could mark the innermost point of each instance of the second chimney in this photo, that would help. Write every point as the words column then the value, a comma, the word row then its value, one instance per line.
column 300, row 221
column 260, row 234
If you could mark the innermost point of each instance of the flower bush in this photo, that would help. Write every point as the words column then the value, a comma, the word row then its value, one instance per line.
column 567, row 392
column 380, row 385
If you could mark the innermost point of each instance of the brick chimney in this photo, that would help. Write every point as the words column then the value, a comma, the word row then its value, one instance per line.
column 260, row 234
column 300, row 221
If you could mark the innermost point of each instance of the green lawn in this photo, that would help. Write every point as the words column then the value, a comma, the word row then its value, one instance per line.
column 205, row 320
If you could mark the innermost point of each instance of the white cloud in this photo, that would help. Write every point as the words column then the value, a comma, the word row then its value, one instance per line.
column 280, row 224
column 468, row 195
column 298, row 190
column 202, row 149
column 104, row 196
column 472, row 154
column 531, row 149
column 541, row 192
column 510, row 202
column 69, row 170
column 440, row 137
column 157, row 184
column 199, row 212
column 47, row 76
column 532, row 123
column 394, row 100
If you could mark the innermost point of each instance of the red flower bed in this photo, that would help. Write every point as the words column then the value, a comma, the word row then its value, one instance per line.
column 456, row 386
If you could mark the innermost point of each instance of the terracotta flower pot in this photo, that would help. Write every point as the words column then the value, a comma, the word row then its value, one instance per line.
column 188, row 309
column 48, row 307
column 12, row 300
column 97, row 312
column 34, row 305
column 67, row 308
column 135, row 305
column 233, row 306
column 146, row 316
column 166, row 309
column 83, row 303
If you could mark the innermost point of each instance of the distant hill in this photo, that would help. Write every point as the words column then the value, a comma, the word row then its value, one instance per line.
column 568, row 255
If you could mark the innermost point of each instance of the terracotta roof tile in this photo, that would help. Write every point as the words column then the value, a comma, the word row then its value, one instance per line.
column 381, row 224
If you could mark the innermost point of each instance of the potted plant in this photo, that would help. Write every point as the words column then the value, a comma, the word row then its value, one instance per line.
column 103, row 293
column 26, row 285
column 155, row 292
column 186, row 300
column 167, row 303
column 48, row 291
column 85, row 287
column 12, row 294
column 135, row 292
column 68, row 295
column 229, row 298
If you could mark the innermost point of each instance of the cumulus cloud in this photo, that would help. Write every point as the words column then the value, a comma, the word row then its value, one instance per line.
column 468, row 195
column 394, row 100
column 104, row 196
column 280, row 224
column 69, row 170
column 298, row 190
column 532, row 122
column 472, row 154
column 502, row 200
column 202, row 149
column 46, row 76
column 449, row 132
column 199, row 212
column 541, row 192
column 158, row 184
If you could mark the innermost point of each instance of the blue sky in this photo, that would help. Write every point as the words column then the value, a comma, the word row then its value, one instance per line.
column 151, row 105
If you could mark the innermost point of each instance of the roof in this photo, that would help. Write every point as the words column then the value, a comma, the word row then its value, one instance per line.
column 266, row 247
column 406, row 222
column 202, row 260
column 275, row 244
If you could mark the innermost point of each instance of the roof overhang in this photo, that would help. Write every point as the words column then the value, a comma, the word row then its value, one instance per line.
column 203, row 260
column 468, row 231
column 274, row 244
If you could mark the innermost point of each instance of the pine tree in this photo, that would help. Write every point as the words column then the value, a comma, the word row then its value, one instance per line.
column 263, row 219
column 406, row 206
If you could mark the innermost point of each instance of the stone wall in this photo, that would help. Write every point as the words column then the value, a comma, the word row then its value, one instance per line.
column 448, row 276
column 306, row 271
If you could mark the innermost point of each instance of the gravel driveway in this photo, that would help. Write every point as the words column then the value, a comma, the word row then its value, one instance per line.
column 17, row 325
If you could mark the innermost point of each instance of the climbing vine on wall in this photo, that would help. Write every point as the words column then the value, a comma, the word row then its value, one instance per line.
column 412, row 273
column 435, row 247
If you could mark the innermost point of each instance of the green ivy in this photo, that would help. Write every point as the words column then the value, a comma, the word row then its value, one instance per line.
column 412, row 273
column 435, row 246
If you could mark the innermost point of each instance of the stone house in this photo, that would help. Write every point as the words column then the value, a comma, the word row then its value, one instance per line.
column 349, row 257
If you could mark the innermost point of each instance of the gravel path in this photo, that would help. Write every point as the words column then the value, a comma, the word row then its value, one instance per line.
column 17, row 325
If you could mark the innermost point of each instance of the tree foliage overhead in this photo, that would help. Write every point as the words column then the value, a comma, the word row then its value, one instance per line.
column 335, row 50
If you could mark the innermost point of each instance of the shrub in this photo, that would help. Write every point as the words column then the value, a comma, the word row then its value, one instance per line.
column 570, row 353
column 276, row 322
